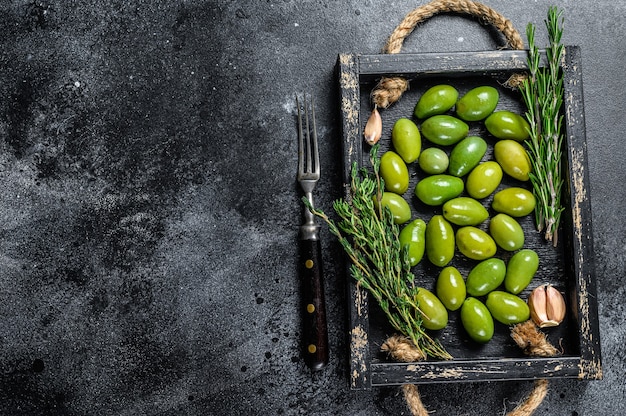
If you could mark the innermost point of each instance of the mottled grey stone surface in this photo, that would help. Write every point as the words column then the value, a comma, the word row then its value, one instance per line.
column 149, row 209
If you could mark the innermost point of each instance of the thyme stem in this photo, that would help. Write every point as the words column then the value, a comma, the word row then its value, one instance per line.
column 368, row 235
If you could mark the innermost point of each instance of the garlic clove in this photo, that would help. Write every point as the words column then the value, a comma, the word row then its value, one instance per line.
column 373, row 128
column 547, row 306
column 555, row 305
column 537, row 305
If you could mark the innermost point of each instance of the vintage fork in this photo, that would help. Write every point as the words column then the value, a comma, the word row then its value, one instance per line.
column 315, row 327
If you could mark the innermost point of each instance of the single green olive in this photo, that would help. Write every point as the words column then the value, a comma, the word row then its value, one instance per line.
column 507, row 308
column 506, row 124
column 464, row 211
column 439, row 241
column 406, row 139
column 437, row 189
column 433, row 161
column 400, row 209
column 483, row 179
column 506, row 232
column 450, row 288
column 485, row 277
column 514, row 201
column 413, row 236
column 513, row 159
column 444, row 130
column 477, row 320
column 436, row 100
column 520, row 270
column 434, row 314
column 394, row 172
column 474, row 243
column 466, row 154
column 477, row 103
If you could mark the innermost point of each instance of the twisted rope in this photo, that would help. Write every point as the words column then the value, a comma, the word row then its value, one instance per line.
column 390, row 89
column 526, row 335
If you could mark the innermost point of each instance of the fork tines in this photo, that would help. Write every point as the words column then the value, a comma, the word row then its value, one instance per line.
column 308, row 154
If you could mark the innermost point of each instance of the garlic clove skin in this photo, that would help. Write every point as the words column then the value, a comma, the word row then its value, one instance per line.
column 547, row 306
column 373, row 128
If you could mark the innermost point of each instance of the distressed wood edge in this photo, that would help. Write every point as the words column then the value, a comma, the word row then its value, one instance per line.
column 459, row 371
column 590, row 366
column 351, row 150
column 411, row 65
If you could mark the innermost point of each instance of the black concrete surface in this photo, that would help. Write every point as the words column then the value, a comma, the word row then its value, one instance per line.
column 149, row 208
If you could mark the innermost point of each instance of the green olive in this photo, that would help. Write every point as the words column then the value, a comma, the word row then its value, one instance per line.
column 437, row 189
column 444, row 130
column 477, row 103
column 477, row 320
column 394, row 172
column 433, row 161
column 413, row 236
column 513, row 158
column 406, row 139
column 474, row 243
column 466, row 154
column 485, row 277
column 451, row 288
column 520, row 270
column 514, row 201
column 434, row 314
column 464, row 211
column 507, row 125
column 506, row 232
column 436, row 100
column 507, row 308
column 439, row 241
column 400, row 209
column 483, row 180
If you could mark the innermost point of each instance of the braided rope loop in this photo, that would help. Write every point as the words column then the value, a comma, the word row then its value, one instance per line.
column 390, row 89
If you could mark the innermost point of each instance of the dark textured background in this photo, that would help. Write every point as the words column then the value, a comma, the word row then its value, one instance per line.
column 149, row 208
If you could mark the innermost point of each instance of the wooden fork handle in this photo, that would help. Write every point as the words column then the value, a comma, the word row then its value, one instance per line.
column 315, row 327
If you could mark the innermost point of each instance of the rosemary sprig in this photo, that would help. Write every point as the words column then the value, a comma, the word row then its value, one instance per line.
column 369, row 237
column 543, row 95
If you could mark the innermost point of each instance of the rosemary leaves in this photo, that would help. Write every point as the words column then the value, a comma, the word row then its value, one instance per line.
column 543, row 95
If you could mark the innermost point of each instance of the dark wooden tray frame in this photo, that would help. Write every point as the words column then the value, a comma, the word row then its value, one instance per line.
column 366, row 370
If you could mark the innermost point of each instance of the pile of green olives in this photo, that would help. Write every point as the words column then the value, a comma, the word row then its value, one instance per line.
column 456, row 181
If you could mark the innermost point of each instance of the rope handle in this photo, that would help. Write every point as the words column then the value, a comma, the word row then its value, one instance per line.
column 526, row 335
column 390, row 89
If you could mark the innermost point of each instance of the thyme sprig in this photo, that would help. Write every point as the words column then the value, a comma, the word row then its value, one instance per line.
column 543, row 95
column 379, row 264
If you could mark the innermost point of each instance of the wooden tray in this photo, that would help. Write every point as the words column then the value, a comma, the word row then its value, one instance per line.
column 569, row 267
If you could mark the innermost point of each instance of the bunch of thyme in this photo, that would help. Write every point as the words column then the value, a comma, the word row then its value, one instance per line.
column 369, row 237
column 543, row 95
